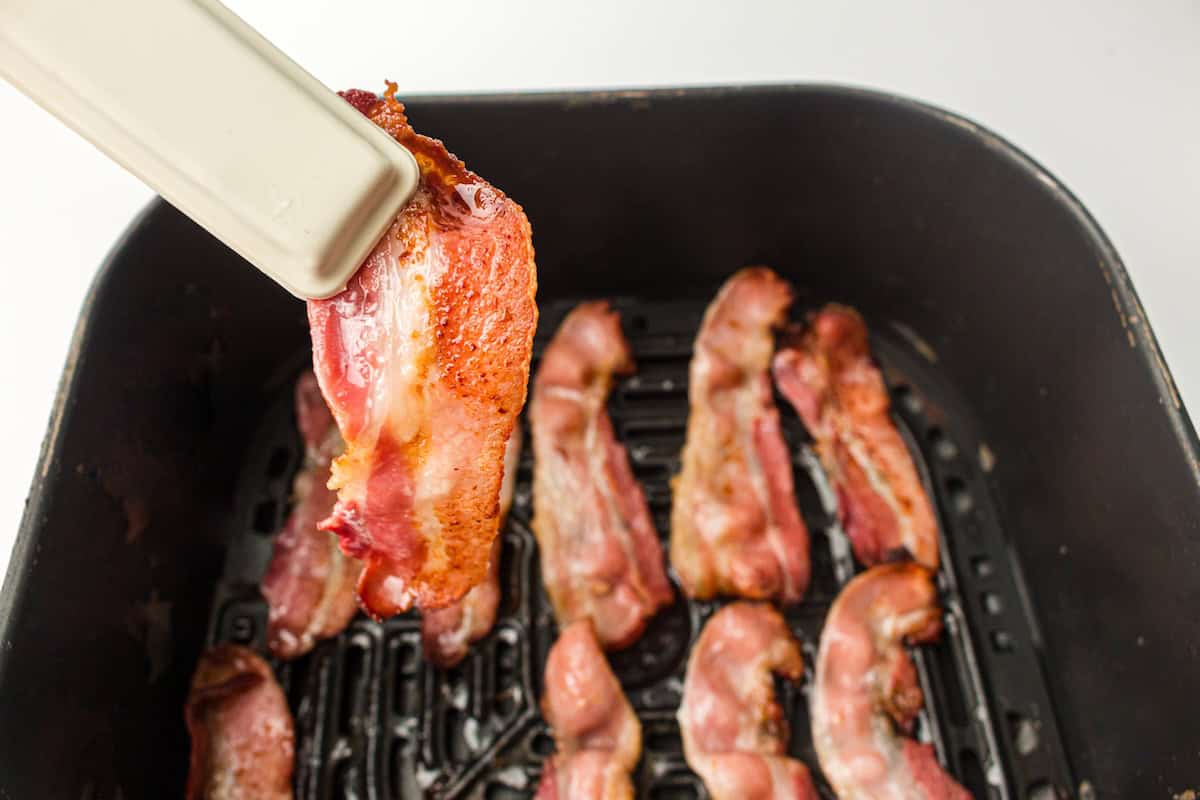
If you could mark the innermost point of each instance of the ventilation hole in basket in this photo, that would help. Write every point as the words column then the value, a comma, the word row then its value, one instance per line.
column 992, row 603
column 542, row 744
column 972, row 777
column 454, row 725
column 943, row 447
column 1042, row 790
column 407, row 699
column 982, row 567
column 674, row 791
column 265, row 517
column 664, row 740
column 402, row 772
column 1024, row 733
column 353, row 676
column 277, row 464
column 242, row 629
column 298, row 671
column 408, row 657
column 958, row 496
column 943, row 656
column 1002, row 641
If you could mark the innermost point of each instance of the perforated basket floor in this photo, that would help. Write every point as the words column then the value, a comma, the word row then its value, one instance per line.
column 373, row 720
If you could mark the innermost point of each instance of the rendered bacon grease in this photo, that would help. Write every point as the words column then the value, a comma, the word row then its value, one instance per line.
column 424, row 360
column 601, row 559
column 865, row 694
column 599, row 738
column 448, row 633
column 241, row 729
column 826, row 373
column 735, row 526
column 309, row 585
column 734, row 733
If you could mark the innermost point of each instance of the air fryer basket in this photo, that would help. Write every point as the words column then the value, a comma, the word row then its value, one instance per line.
column 1022, row 368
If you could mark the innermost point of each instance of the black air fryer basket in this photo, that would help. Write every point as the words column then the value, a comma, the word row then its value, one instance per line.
column 1024, row 377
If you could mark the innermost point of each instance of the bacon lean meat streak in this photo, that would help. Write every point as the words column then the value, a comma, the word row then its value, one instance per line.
column 735, row 526
column 734, row 733
column 309, row 585
column 827, row 375
column 424, row 360
column 601, row 559
column 599, row 738
column 865, row 694
column 447, row 633
column 241, row 729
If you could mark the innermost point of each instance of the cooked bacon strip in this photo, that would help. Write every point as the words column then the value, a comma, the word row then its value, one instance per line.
column 601, row 558
column 735, row 527
column 424, row 359
column 447, row 633
column 865, row 693
column 309, row 585
column 827, row 375
column 241, row 729
column 598, row 736
column 734, row 732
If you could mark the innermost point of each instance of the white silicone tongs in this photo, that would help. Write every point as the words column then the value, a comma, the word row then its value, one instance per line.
column 206, row 111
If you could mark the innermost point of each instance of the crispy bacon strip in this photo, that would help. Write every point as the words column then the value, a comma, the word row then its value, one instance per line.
column 601, row 559
column 827, row 375
column 598, row 736
column 309, row 585
column 241, row 729
column 424, row 360
column 735, row 527
column 866, row 687
column 448, row 633
column 734, row 732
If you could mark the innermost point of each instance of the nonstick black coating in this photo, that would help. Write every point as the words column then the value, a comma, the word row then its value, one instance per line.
column 918, row 218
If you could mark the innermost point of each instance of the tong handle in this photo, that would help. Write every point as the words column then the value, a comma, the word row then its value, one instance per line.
column 196, row 103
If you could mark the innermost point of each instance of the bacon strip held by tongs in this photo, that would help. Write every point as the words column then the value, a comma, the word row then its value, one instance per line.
column 447, row 633
column 735, row 735
column 865, row 694
column 424, row 360
column 827, row 375
column 735, row 526
column 598, row 736
column 241, row 729
column 309, row 585
column 601, row 559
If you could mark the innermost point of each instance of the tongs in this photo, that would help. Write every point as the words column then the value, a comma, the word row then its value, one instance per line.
column 192, row 100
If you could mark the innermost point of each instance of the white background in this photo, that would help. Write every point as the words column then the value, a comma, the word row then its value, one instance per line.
column 1105, row 94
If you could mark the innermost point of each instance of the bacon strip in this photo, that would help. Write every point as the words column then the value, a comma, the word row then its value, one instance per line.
column 241, row 729
column 734, row 732
column 866, row 687
column 598, row 736
column 735, row 526
column 424, row 360
column 601, row 559
column 827, row 375
column 309, row 585
column 448, row 633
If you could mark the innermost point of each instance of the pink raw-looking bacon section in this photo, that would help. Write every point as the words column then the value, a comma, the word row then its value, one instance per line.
column 424, row 360
column 735, row 734
column 598, row 736
column 448, row 633
column 826, row 373
column 241, row 729
column 865, row 694
column 309, row 585
column 735, row 526
column 601, row 559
